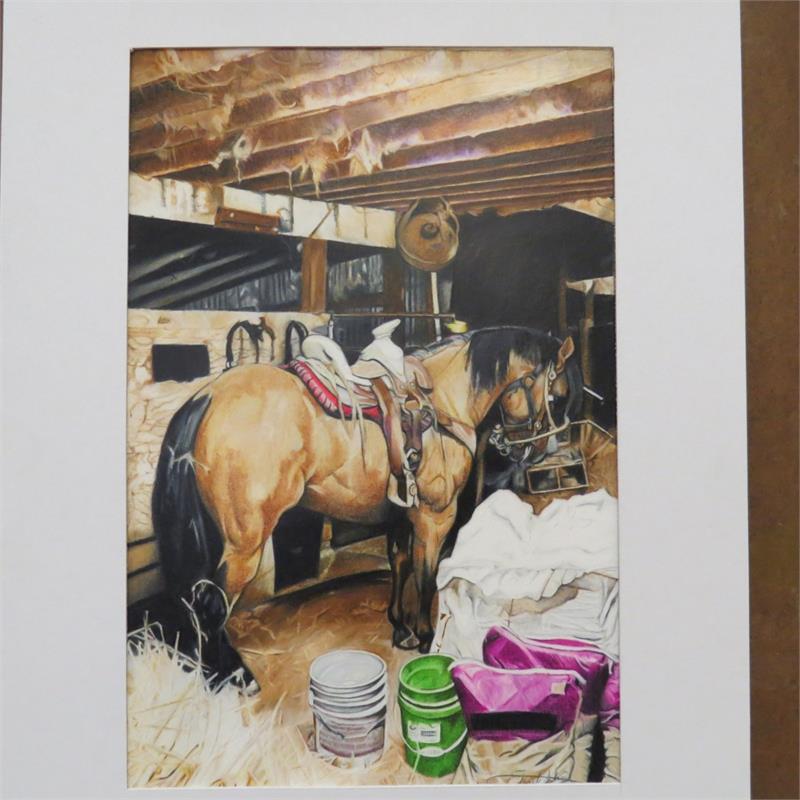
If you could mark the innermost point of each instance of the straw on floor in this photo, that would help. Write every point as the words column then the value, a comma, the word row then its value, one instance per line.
column 180, row 734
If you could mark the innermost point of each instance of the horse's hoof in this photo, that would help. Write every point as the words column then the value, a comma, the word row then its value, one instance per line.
column 245, row 682
column 242, row 679
column 404, row 639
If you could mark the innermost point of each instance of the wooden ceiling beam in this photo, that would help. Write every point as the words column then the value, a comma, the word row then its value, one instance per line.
column 521, row 204
column 553, row 184
column 536, row 72
column 489, row 197
column 599, row 207
column 193, row 115
column 591, row 152
column 573, row 129
column 341, row 123
column 248, row 76
column 512, row 178
column 182, row 201
column 521, row 140
column 150, row 66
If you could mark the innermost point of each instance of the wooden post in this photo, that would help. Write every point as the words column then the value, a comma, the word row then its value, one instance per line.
column 587, row 323
column 394, row 288
column 429, row 330
column 313, row 296
column 562, row 303
column 437, row 323
column 394, row 281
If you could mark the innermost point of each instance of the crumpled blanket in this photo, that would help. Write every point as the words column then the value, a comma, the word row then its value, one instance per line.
column 552, row 575
column 511, row 552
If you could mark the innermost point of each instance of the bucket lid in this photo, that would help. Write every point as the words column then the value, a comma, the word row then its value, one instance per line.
column 427, row 674
column 346, row 670
column 349, row 693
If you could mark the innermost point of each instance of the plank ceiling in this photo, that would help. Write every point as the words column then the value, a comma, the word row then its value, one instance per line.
column 511, row 130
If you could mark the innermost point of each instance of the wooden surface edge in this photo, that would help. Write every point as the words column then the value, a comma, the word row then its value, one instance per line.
column 770, row 109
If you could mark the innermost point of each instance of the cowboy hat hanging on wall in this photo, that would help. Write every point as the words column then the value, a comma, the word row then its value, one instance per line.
column 427, row 234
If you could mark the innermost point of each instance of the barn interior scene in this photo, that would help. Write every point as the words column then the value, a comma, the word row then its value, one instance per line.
column 371, row 423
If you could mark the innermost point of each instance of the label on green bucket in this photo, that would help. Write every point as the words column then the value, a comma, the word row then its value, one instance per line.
column 425, row 732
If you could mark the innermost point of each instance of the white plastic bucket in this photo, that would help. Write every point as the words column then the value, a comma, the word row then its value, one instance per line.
column 347, row 695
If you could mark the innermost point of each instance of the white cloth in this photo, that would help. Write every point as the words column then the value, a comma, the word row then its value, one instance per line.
column 509, row 551
column 551, row 575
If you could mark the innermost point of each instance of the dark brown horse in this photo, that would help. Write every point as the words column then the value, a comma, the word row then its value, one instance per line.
column 254, row 443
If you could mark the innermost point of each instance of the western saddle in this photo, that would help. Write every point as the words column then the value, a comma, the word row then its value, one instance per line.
column 386, row 387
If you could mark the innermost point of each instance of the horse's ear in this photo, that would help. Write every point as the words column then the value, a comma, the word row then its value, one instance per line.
column 564, row 352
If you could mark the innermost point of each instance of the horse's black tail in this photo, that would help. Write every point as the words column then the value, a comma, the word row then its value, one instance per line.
column 192, row 612
column 189, row 541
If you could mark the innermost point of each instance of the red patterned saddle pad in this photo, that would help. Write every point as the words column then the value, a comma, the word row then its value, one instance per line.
column 325, row 397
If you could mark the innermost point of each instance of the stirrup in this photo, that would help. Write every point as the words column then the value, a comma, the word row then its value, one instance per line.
column 412, row 496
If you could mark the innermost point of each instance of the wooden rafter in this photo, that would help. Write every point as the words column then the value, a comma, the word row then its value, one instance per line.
column 514, row 178
column 586, row 188
column 192, row 113
column 247, row 75
column 337, row 124
column 520, row 204
column 151, row 65
column 589, row 153
column 495, row 192
column 570, row 130
column 509, row 129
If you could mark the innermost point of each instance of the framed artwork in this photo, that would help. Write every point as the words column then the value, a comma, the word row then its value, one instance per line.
column 405, row 358
column 372, row 514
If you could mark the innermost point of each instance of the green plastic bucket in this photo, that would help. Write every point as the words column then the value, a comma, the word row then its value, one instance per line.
column 433, row 727
column 427, row 680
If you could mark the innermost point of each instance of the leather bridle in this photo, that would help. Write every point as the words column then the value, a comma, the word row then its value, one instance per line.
column 538, row 425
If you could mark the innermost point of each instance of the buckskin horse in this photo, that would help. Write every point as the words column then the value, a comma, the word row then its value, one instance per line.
column 254, row 443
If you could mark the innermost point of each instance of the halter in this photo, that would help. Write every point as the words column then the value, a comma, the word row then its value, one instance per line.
column 508, row 435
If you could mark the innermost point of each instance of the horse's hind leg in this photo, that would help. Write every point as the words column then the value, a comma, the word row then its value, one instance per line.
column 209, row 609
column 399, row 550
column 246, row 533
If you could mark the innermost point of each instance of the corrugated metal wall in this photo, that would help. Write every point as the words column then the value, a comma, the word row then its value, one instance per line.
column 356, row 285
column 276, row 291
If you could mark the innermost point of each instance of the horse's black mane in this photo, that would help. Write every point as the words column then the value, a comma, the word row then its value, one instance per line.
column 490, row 351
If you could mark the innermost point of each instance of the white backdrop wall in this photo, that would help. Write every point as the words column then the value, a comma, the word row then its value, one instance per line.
column 681, row 369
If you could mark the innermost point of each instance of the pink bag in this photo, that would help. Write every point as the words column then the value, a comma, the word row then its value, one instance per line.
column 502, row 648
column 609, row 702
column 504, row 704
